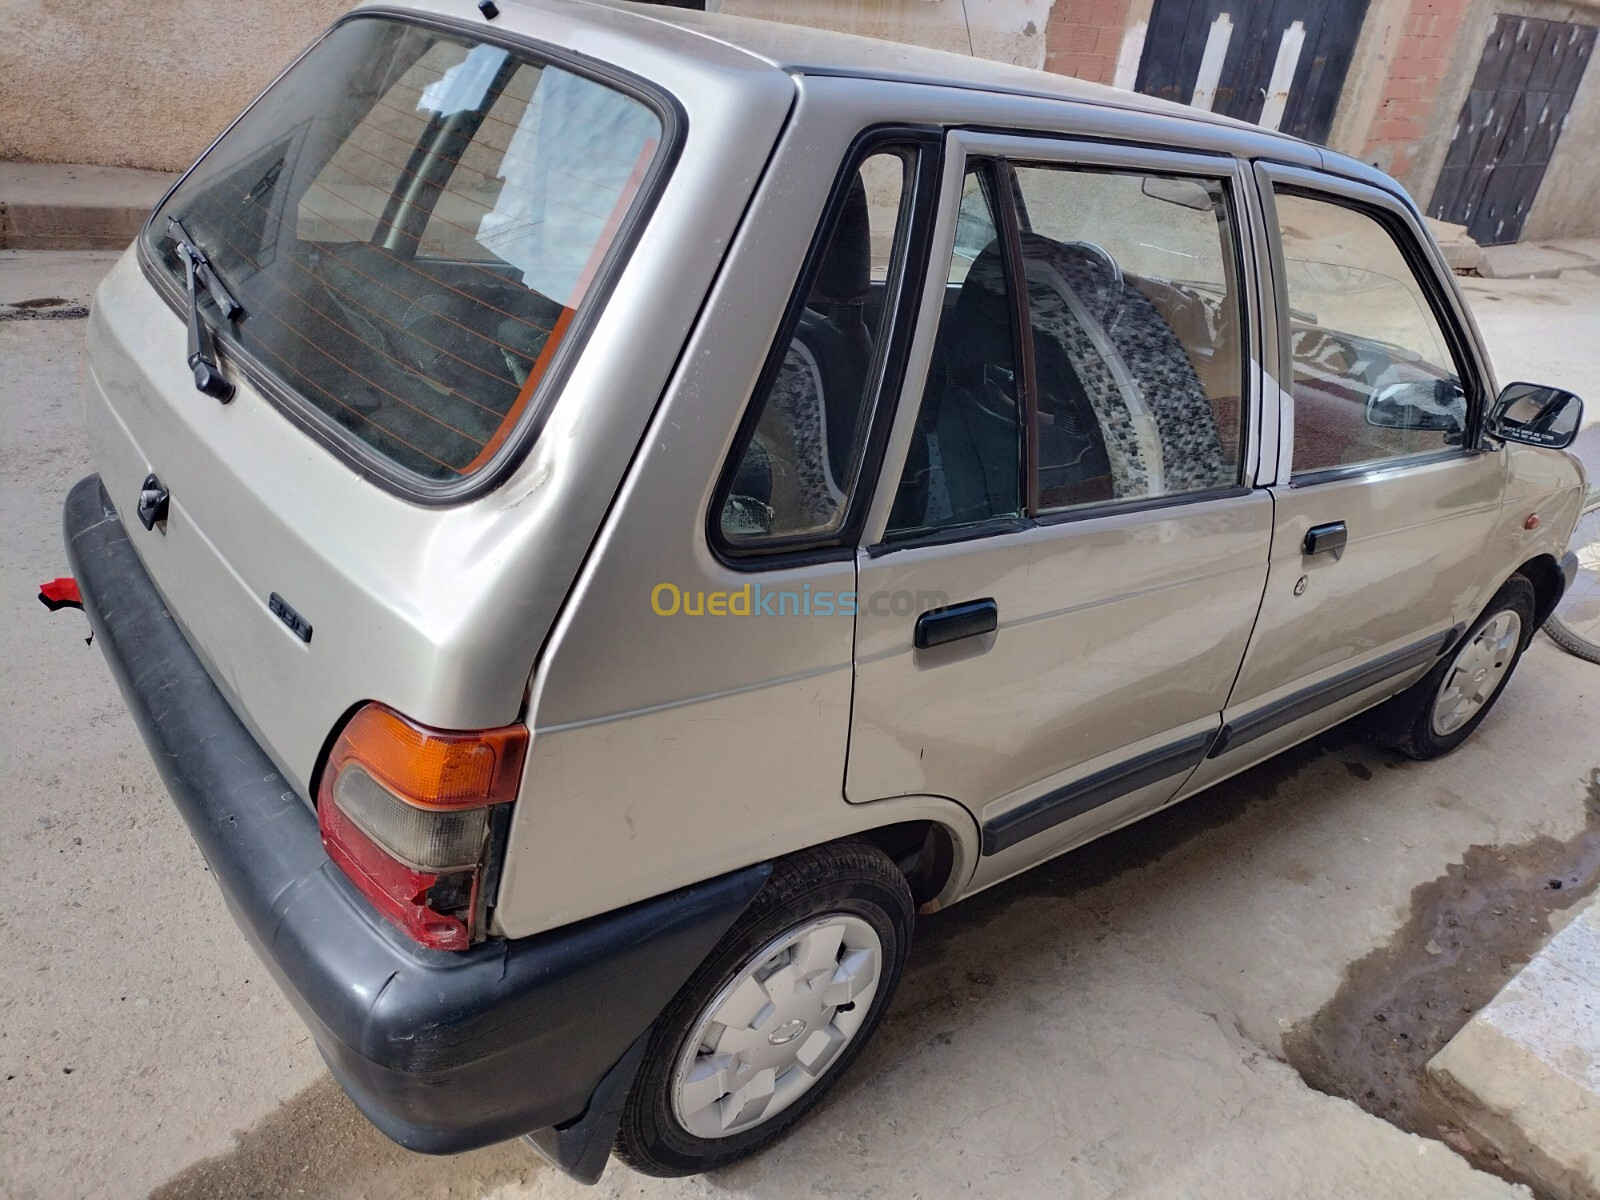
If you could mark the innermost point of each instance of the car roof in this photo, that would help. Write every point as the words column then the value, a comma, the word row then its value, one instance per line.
column 796, row 50
column 803, row 50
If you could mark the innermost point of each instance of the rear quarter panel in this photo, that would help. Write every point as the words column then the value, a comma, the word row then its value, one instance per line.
column 438, row 612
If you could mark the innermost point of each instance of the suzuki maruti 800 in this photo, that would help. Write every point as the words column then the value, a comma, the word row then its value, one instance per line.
column 604, row 514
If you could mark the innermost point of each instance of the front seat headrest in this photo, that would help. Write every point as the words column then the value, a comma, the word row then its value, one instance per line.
column 845, row 273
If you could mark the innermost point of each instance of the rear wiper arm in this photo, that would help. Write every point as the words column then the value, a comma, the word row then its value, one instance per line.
column 202, row 349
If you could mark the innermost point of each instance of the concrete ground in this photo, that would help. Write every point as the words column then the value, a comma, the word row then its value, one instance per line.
column 1113, row 1024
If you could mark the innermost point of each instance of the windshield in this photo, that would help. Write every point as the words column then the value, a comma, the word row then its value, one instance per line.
column 410, row 220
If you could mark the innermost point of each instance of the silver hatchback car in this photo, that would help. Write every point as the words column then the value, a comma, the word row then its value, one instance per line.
column 604, row 514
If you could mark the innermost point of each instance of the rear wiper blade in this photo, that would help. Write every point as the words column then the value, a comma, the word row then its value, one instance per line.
column 202, row 349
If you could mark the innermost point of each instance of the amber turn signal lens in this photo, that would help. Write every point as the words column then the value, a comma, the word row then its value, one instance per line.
column 433, row 768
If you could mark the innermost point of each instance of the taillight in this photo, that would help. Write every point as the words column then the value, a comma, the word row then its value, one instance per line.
column 406, row 812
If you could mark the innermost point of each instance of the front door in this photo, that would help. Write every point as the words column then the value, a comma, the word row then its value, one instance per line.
column 1069, row 554
column 1385, row 508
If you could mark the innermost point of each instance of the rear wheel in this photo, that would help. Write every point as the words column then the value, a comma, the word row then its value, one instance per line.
column 1436, row 715
column 774, row 1016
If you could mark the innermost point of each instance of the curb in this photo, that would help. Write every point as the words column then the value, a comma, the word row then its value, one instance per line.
column 1524, row 1072
column 52, row 206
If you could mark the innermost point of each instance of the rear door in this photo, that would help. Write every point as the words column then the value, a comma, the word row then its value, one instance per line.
column 1384, row 504
column 1067, row 554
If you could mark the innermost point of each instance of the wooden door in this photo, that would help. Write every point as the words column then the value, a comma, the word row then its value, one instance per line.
column 1278, row 63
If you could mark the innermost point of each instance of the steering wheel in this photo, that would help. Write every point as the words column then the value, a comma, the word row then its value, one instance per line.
column 1113, row 274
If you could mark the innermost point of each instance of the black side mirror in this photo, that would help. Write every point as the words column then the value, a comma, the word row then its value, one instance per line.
column 1535, row 416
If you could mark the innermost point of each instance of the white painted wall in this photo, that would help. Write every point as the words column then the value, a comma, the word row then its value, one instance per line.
column 1004, row 30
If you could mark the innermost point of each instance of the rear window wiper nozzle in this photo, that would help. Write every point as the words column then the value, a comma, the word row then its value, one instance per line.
column 202, row 349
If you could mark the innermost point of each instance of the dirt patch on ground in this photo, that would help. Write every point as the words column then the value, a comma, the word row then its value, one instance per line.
column 1469, row 931
column 319, row 1145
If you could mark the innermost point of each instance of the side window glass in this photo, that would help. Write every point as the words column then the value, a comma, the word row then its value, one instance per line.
column 798, row 466
column 1136, row 334
column 1373, row 375
column 965, row 461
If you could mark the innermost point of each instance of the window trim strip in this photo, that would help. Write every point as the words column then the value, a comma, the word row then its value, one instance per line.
column 1244, row 728
column 1045, row 812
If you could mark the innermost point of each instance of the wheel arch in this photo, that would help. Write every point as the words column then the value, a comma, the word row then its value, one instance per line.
column 933, row 841
column 1544, row 573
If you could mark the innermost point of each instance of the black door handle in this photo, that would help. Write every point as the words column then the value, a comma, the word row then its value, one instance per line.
column 1325, row 539
column 940, row 625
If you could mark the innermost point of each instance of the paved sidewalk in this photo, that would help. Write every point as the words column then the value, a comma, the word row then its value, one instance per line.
column 1539, row 260
column 51, row 206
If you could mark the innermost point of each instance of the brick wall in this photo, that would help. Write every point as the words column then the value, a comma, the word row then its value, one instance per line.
column 1417, row 72
column 1083, row 36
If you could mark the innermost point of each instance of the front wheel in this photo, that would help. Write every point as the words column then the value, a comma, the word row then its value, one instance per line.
column 774, row 1016
column 1454, row 698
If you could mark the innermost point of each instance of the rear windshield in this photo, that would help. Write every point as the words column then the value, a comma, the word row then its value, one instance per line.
column 410, row 221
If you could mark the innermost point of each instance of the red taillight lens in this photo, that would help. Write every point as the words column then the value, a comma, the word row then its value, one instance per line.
column 405, row 813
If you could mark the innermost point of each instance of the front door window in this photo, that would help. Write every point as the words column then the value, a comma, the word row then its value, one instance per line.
column 1373, row 377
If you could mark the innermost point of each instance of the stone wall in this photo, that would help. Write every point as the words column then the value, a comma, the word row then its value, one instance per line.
column 145, row 84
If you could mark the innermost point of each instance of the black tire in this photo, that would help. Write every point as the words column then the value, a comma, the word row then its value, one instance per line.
column 1572, row 643
column 1584, row 539
column 1406, row 722
column 850, row 877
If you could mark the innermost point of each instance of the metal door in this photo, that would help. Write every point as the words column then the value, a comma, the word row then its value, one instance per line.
column 1277, row 63
column 1507, row 131
column 1115, row 633
column 1341, row 629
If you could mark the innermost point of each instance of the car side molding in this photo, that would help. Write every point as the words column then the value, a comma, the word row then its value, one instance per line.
column 1262, row 721
column 1102, row 787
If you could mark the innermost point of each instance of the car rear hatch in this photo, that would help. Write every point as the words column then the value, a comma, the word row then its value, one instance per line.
column 415, row 223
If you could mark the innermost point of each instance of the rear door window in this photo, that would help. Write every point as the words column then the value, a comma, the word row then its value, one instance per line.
column 1136, row 334
column 1098, row 359
column 412, row 221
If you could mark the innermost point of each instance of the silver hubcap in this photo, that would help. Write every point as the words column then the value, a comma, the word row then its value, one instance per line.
column 772, row 1033
column 1479, row 667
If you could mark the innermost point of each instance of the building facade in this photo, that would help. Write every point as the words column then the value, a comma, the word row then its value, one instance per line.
column 1488, row 110
column 1485, row 109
